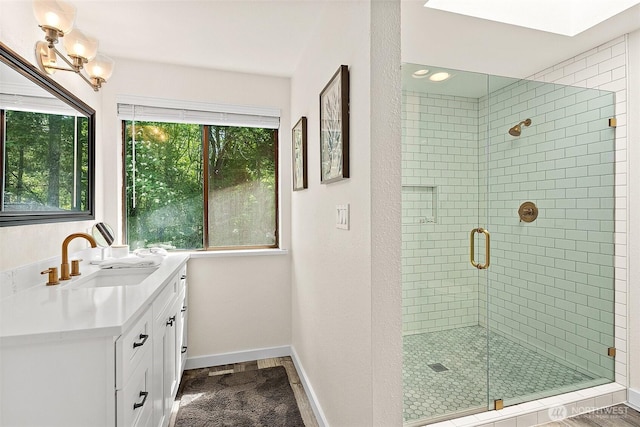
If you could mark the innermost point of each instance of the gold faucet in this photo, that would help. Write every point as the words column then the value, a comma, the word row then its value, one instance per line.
column 64, row 267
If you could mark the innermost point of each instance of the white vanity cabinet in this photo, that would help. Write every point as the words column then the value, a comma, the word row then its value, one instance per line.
column 112, row 358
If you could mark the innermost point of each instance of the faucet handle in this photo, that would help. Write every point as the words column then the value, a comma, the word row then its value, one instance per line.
column 53, row 276
column 75, row 267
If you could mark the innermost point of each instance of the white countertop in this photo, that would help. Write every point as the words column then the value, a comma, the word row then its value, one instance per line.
column 44, row 313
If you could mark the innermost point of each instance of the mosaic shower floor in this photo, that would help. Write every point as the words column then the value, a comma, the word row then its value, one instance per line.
column 431, row 392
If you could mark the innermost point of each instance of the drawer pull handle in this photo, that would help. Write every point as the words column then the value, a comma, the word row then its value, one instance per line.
column 184, row 308
column 144, row 338
column 184, row 349
column 184, row 276
column 171, row 320
column 144, row 395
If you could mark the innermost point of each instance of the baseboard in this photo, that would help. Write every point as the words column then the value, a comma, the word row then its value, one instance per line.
column 311, row 395
column 237, row 357
column 633, row 398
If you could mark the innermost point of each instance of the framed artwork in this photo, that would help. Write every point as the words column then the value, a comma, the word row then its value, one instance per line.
column 299, row 149
column 334, row 127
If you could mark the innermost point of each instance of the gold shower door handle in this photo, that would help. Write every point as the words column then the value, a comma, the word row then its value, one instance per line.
column 487, row 248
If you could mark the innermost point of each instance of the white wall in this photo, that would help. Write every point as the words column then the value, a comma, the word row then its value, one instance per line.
column 346, row 284
column 28, row 243
column 235, row 304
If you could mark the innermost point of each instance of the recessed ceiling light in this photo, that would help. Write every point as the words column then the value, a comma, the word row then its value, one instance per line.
column 420, row 74
column 438, row 77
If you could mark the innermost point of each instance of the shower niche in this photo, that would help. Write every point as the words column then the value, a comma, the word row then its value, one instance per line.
column 419, row 204
column 539, row 321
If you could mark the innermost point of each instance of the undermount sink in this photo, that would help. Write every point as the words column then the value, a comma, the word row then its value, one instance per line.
column 112, row 277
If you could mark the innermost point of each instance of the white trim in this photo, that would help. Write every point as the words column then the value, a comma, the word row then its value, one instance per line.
column 237, row 357
column 242, row 252
column 633, row 397
column 311, row 395
column 538, row 411
column 198, row 106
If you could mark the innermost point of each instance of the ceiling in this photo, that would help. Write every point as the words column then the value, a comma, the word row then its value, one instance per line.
column 255, row 36
column 268, row 36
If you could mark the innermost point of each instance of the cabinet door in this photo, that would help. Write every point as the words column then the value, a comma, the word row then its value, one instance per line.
column 182, row 334
column 164, row 365
column 172, row 358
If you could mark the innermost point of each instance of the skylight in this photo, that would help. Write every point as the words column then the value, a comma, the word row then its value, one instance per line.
column 566, row 17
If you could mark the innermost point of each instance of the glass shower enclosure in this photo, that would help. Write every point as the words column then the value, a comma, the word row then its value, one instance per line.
column 508, row 241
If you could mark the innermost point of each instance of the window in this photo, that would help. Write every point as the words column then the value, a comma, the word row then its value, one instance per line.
column 45, row 162
column 195, row 186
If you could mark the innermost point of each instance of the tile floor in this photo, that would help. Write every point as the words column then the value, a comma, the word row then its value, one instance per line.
column 462, row 388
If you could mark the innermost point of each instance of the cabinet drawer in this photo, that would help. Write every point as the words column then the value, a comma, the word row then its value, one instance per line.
column 130, row 348
column 166, row 297
column 134, row 401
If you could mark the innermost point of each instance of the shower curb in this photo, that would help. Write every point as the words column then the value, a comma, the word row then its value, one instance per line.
column 544, row 410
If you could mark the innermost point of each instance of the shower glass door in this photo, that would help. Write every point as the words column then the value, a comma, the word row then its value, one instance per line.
column 507, row 244
column 549, row 160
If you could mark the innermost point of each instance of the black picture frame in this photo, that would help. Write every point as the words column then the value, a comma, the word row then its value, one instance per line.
column 334, row 127
column 299, row 154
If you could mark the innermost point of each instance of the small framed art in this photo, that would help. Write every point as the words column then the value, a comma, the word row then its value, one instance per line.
column 299, row 149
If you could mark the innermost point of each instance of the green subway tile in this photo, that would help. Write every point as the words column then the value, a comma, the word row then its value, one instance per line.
column 556, row 332
column 608, row 293
column 565, row 305
column 588, row 333
column 607, row 316
column 566, row 346
column 599, row 326
column 576, row 339
column 566, row 326
column 586, row 311
column 565, row 264
column 555, row 312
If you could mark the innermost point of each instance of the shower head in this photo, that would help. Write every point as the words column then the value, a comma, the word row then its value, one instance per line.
column 517, row 129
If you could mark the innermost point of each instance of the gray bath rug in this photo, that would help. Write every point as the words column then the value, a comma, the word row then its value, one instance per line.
column 261, row 397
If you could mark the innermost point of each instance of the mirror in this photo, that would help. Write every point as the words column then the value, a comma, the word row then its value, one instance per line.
column 103, row 234
column 47, row 141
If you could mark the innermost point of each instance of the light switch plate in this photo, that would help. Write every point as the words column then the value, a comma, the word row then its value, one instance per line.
column 342, row 217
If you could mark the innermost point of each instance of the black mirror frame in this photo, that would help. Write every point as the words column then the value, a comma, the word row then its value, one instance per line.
column 22, row 66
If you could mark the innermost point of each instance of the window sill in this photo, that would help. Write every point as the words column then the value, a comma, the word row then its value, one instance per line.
column 235, row 253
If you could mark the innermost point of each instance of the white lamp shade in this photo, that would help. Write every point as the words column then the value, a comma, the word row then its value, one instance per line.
column 55, row 14
column 100, row 68
column 78, row 44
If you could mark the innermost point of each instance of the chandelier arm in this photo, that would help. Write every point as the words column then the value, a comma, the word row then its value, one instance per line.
column 95, row 87
column 64, row 58
column 73, row 68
